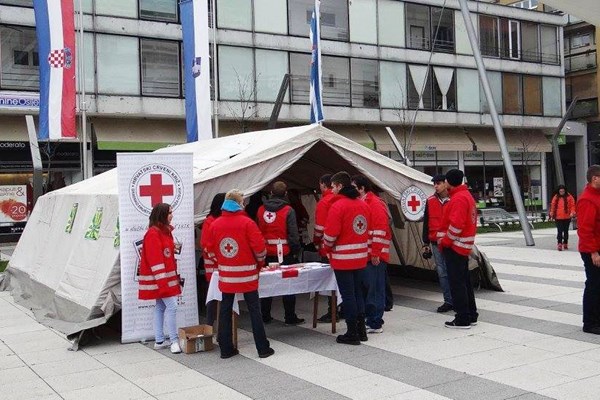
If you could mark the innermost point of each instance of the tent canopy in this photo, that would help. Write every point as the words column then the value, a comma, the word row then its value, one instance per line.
column 587, row 10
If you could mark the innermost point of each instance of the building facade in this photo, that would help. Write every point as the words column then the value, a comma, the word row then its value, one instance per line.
column 385, row 63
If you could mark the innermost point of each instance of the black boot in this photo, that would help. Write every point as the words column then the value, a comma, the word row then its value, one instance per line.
column 361, row 328
column 351, row 336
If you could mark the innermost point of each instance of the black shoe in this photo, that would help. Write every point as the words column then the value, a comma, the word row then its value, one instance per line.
column 235, row 352
column 267, row 319
column 267, row 353
column 473, row 321
column 592, row 329
column 445, row 308
column 348, row 339
column 326, row 318
column 456, row 325
column 295, row 321
column 361, row 327
column 390, row 308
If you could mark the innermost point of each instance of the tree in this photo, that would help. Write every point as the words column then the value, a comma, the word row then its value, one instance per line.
column 403, row 130
column 529, row 147
column 245, row 108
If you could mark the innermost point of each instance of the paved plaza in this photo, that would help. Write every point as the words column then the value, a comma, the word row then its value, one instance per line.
column 528, row 345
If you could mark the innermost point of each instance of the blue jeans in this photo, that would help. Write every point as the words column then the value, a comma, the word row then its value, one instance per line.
column 375, row 299
column 166, row 309
column 350, row 283
column 442, row 272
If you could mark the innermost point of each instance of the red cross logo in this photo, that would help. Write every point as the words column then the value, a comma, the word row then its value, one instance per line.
column 269, row 217
column 156, row 190
column 414, row 203
column 359, row 224
column 229, row 247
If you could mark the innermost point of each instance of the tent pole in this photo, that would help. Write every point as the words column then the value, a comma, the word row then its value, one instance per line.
column 510, row 172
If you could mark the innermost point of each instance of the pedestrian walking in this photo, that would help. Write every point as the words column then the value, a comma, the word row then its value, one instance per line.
column 562, row 210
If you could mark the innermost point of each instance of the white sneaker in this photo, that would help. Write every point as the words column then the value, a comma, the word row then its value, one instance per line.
column 163, row 345
column 374, row 330
column 175, row 349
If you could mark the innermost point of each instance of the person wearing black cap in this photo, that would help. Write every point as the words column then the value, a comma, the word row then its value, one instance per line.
column 459, row 226
column 432, row 223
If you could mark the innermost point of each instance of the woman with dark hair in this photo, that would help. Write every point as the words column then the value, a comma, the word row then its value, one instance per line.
column 562, row 209
column 209, row 264
column 158, row 278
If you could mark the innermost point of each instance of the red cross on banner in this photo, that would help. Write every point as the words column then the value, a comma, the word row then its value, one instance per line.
column 156, row 190
column 414, row 203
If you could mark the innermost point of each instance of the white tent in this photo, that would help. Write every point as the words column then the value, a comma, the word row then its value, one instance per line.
column 587, row 10
column 73, row 283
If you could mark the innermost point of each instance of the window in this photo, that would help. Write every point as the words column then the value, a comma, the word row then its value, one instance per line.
column 336, row 79
column 300, row 79
column 444, row 89
column 391, row 23
column 468, row 90
column 488, row 36
column 444, row 40
column 270, row 16
column 118, row 65
column 160, row 68
column 118, row 8
column 363, row 21
column 552, row 98
column 532, row 95
column 159, row 10
column 334, row 18
column 271, row 67
column 419, row 81
column 393, row 84
column 234, row 14
column 19, row 59
column 87, row 55
column 512, row 94
column 510, row 38
column 418, row 28
column 531, row 48
column 581, row 40
column 26, row 3
column 549, row 44
column 365, row 83
column 495, row 79
column 236, row 74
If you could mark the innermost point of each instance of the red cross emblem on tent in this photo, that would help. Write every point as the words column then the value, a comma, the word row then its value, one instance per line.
column 269, row 217
column 412, row 202
column 229, row 247
column 156, row 190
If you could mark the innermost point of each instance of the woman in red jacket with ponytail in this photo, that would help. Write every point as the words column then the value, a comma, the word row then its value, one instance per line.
column 562, row 209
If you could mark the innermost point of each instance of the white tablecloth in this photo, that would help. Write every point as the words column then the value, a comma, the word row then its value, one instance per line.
column 312, row 277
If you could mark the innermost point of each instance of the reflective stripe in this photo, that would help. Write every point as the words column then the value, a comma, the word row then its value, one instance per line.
column 261, row 254
column 329, row 238
column 146, row 278
column 241, row 279
column 211, row 255
column 164, row 275
column 236, row 268
column 277, row 241
column 173, row 283
column 209, row 270
column 318, row 234
column 157, row 267
column 319, row 228
column 208, row 261
column 385, row 250
column 148, row 287
column 463, row 245
column 379, row 233
column 352, row 256
column 380, row 240
column 461, row 239
column 439, row 234
column 455, row 230
column 357, row 246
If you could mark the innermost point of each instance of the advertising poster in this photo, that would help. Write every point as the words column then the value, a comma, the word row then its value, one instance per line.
column 13, row 203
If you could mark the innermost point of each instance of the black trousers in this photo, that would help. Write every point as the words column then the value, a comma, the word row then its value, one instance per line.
column 289, row 301
column 591, row 293
column 351, row 286
column 463, row 297
column 225, row 328
column 389, row 296
column 562, row 227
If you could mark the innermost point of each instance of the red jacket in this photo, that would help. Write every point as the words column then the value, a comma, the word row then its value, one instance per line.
column 557, row 207
column 434, row 212
column 321, row 211
column 158, row 269
column 273, row 226
column 379, row 227
column 346, row 236
column 209, row 263
column 459, row 223
column 588, row 220
column 239, row 249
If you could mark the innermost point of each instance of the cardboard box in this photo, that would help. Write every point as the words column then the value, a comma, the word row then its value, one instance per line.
column 193, row 339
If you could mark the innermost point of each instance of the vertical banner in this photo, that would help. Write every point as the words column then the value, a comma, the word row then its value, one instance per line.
column 55, row 30
column 316, row 74
column 194, row 24
column 144, row 180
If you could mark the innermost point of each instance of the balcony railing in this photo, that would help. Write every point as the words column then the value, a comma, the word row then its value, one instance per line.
column 580, row 62
column 585, row 109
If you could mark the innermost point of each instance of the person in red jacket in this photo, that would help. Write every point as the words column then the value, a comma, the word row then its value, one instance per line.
column 562, row 209
column 432, row 222
column 209, row 263
column 277, row 222
column 380, row 238
column 158, row 278
column 588, row 230
column 346, row 240
column 238, row 247
column 459, row 225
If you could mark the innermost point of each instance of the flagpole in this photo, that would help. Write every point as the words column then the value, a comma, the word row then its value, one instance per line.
column 215, row 71
column 82, row 105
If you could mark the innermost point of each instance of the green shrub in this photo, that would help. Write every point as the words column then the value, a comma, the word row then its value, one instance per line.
column 3, row 265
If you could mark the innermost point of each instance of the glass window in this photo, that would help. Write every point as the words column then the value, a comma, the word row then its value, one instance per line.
column 393, row 84
column 300, row 79
column 488, row 36
column 419, row 82
column 444, row 89
column 581, row 40
column 418, row 28
column 391, row 23
column 26, row 3
column 549, row 44
column 468, row 90
column 531, row 47
column 159, row 10
column 334, row 18
column 160, row 68
column 118, row 65
column 532, row 93
column 552, row 96
column 512, row 94
column 365, row 83
column 236, row 73
column 271, row 66
column 443, row 23
column 88, row 59
column 234, row 14
column 363, row 22
column 86, row 6
column 495, row 79
column 270, row 16
column 462, row 44
column 336, row 81
column 19, row 60
column 510, row 39
column 118, row 8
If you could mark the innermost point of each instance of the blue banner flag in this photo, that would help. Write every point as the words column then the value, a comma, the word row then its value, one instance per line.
column 316, row 75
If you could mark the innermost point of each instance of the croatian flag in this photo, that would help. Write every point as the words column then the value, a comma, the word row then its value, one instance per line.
column 316, row 75
column 194, row 24
column 55, row 28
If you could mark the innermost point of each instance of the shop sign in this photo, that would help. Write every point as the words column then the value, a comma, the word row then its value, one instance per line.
column 19, row 100
column 424, row 155
column 13, row 203
column 473, row 155
column 498, row 186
